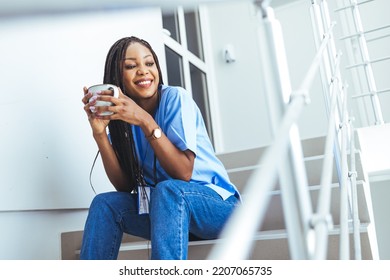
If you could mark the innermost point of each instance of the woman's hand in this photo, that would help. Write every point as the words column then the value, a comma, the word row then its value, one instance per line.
column 124, row 109
column 98, row 125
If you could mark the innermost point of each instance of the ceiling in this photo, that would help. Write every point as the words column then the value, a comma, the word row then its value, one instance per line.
column 30, row 7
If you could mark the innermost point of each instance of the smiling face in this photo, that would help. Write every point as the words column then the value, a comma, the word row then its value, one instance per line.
column 140, row 73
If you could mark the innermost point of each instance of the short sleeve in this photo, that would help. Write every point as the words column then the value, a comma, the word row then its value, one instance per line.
column 178, row 114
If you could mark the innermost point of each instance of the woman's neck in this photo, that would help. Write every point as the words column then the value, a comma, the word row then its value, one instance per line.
column 150, row 104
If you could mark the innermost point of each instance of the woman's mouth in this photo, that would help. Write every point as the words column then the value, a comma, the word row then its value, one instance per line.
column 144, row 83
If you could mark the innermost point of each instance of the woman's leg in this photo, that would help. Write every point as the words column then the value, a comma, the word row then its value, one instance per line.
column 179, row 207
column 109, row 216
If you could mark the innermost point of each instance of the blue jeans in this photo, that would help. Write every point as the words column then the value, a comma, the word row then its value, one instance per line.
column 177, row 208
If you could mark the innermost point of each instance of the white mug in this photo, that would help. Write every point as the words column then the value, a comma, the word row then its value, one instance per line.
column 98, row 88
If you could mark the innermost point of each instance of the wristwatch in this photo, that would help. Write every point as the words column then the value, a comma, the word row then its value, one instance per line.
column 156, row 134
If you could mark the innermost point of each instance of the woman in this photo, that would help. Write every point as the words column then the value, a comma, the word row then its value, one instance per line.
column 159, row 158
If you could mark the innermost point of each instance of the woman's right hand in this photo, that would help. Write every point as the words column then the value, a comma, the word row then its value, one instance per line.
column 98, row 125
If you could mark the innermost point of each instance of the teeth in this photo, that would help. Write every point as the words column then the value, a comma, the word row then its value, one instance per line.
column 144, row 83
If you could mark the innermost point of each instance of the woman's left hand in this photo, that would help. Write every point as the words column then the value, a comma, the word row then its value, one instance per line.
column 124, row 109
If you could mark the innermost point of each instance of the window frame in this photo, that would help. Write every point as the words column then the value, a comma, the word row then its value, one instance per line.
column 205, row 65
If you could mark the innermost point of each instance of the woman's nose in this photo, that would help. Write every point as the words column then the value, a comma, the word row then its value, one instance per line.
column 142, row 70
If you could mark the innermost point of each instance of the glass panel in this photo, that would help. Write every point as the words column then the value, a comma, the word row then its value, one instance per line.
column 174, row 68
column 170, row 23
column 194, row 40
column 199, row 94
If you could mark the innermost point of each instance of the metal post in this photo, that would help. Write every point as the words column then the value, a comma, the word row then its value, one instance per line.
column 366, row 62
column 344, row 204
column 237, row 237
column 354, row 197
column 322, row 221
column 321, row 21
column 293, row 180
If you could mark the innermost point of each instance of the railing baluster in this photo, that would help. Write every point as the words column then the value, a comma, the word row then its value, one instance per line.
column 354, row 197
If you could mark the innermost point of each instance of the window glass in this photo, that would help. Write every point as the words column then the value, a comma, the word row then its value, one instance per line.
column 199, row 94
column 170, row 23
column 174, row 68
column 194, row 41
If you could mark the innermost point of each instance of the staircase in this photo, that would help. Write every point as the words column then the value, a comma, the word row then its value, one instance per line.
column 271, row 240
column 272, row 236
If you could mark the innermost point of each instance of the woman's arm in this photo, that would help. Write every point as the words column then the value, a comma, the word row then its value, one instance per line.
column 178, row 164
column 110, row 161
column 111, row 164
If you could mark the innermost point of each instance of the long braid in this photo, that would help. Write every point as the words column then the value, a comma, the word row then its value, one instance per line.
column 121, row 132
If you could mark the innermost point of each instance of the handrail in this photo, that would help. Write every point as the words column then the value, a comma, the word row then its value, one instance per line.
column 262, row 181
column 317, row 59
column 322, row 221
column 296, row 203
column 256, row 192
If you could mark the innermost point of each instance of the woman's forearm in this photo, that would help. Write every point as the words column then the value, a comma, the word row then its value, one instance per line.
column 178, row 164
column 111, row 163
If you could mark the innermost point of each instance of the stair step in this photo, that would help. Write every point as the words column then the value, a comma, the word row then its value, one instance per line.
column 240, row 173
column 274, row 218
column 268, row 245
column 310, row 147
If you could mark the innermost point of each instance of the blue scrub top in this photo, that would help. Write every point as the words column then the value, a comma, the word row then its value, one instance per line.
column 180, row 119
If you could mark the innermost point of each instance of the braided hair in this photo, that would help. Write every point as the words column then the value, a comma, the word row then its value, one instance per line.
column 121, row 132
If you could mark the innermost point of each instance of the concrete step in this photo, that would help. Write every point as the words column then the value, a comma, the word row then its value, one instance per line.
column 274, row 218
column 239, row 172
column 310, row 147
column 267, row 245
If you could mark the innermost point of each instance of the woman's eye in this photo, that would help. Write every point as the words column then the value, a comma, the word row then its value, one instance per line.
column 129, row 66
column 150, row 64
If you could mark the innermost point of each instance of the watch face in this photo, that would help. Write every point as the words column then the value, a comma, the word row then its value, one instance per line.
column 157, row 133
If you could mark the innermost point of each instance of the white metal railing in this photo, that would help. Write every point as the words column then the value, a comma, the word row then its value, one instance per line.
column 362, row 57
column 322, row 222
column 297, row 205
column 355, row 212
column 284, row 116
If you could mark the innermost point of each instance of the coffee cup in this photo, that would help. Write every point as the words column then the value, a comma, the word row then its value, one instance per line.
column 96, row 89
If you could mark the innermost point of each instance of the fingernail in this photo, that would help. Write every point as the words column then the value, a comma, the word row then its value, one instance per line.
column 93, row 109
column 93, row 98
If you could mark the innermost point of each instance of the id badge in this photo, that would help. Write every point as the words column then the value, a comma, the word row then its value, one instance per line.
column 143, row 200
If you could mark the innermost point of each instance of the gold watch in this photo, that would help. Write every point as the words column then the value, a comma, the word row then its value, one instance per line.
column 156, row 134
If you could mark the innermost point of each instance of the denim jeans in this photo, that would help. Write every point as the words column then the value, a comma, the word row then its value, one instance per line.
column 177, row 208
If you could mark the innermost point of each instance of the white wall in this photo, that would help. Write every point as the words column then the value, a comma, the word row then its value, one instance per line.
column 243, row 110
column 47, row 149
column 240, row 89
column 240, row 85
column 36, row 235
column 46, row 144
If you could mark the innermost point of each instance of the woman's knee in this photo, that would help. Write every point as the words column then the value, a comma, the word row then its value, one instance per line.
column 168, row 189
column 110, row 200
